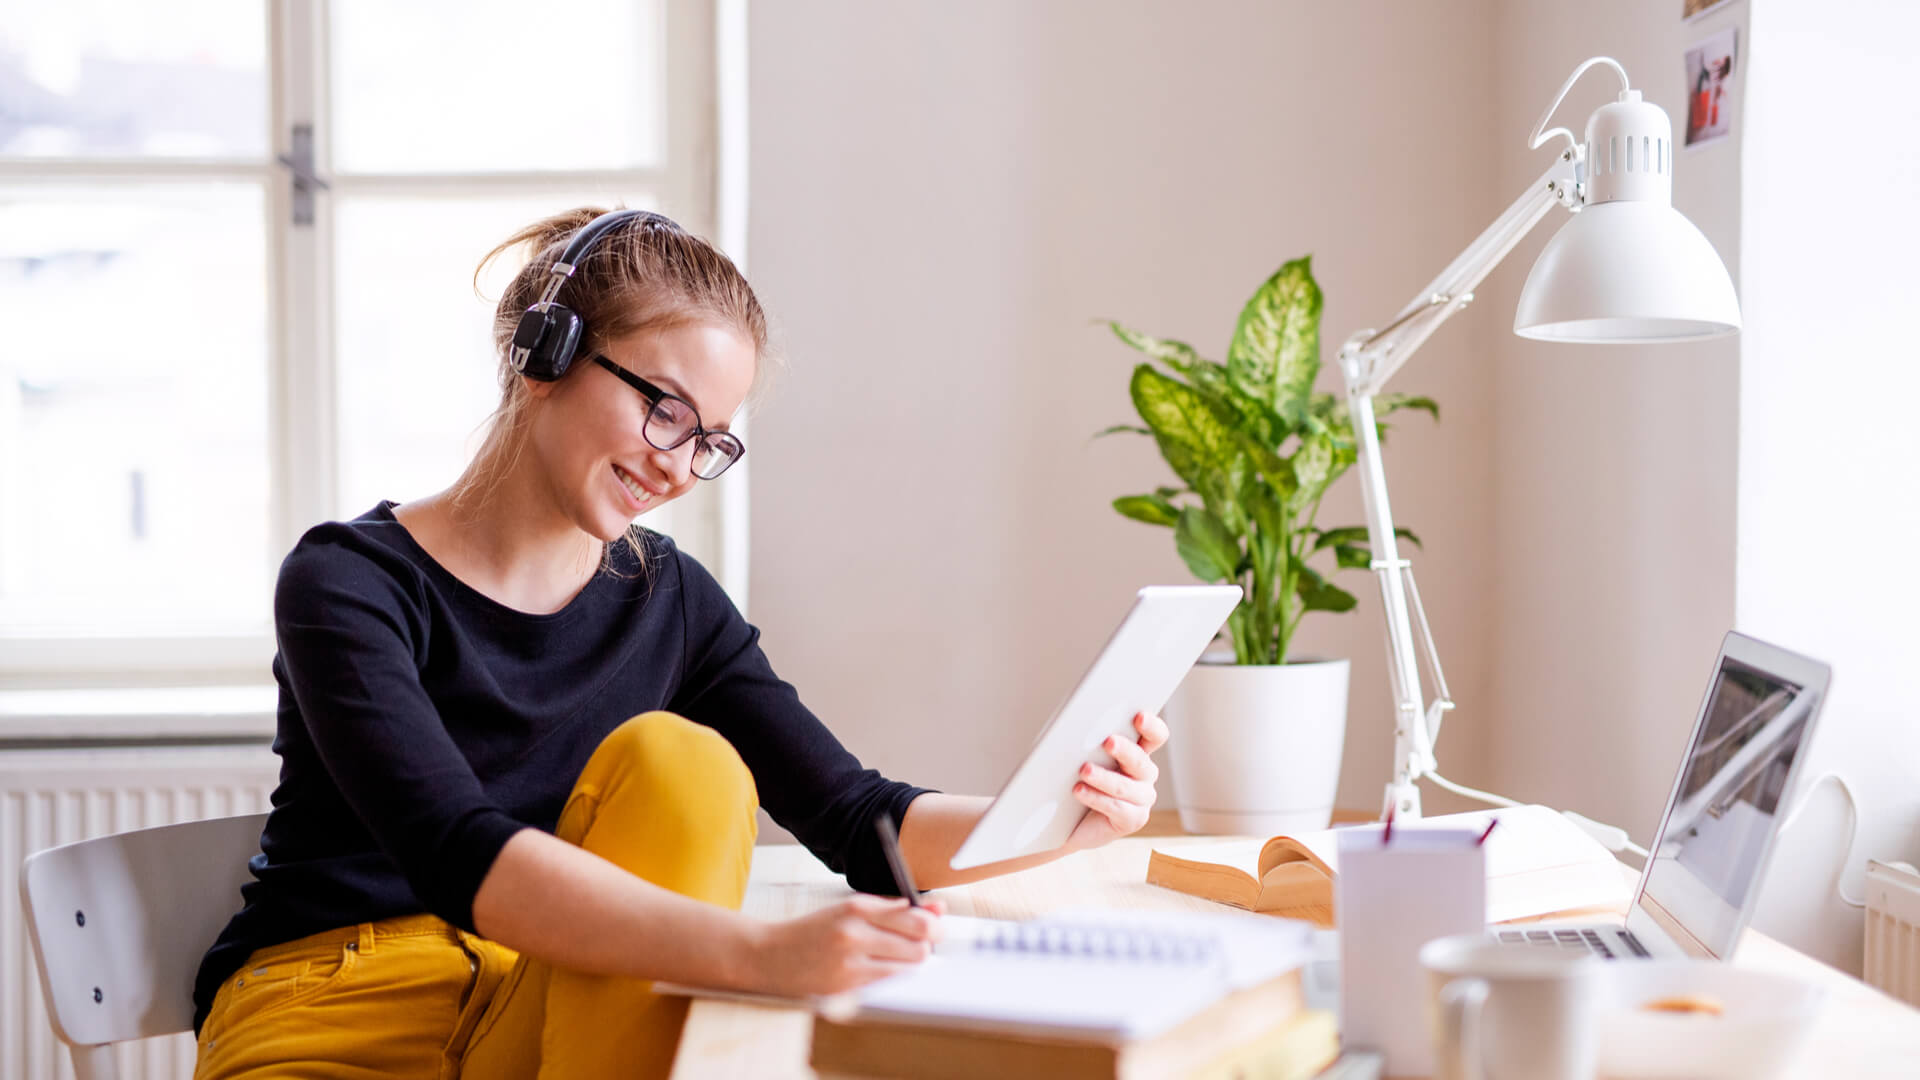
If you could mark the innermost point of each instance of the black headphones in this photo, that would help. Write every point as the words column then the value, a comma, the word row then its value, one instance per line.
column 549, row 333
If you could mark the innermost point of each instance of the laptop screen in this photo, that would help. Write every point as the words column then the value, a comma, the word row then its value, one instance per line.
column 1706, row 861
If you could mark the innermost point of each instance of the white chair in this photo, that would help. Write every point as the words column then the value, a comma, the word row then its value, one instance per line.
column 119, row 925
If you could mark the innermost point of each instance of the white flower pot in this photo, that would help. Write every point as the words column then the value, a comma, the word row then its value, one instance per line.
column 1256, row 748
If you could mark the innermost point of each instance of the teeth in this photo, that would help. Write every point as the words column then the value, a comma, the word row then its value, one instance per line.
column 633, row 485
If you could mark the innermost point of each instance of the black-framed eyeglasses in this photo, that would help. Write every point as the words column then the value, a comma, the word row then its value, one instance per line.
column 671, row 421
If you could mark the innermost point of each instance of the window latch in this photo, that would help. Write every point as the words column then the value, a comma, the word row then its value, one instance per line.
column 305, row 181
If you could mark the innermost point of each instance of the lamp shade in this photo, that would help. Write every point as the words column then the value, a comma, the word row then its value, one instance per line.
column 1628, row 267
column 1627, row 272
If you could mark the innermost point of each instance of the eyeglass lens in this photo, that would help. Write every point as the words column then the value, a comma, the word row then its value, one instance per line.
column 669, row 424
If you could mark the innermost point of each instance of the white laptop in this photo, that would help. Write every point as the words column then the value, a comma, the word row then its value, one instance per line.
column 1701, row 883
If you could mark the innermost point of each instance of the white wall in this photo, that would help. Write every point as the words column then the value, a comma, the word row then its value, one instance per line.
column 943, row 199
column 1614, row 475
column 1828, row 455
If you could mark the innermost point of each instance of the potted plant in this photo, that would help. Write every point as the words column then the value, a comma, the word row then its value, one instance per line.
column 1258, row 741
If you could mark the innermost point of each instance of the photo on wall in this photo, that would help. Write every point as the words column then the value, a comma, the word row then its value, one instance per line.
column 1691, row 8
column 1710, row 88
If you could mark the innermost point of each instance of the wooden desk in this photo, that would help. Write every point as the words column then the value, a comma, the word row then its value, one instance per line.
column 1862, row 1032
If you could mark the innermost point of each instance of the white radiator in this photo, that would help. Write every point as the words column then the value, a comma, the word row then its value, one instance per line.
column 55, row 796
column 1892, row 960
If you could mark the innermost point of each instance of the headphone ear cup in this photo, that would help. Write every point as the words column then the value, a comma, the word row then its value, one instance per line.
column 545, row 341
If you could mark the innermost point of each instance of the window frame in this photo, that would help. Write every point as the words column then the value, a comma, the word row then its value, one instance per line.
column 702, row 48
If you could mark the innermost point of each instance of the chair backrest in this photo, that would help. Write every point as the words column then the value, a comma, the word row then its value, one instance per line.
column 119, row 924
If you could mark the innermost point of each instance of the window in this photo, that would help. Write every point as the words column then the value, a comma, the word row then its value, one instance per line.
column 208, row 353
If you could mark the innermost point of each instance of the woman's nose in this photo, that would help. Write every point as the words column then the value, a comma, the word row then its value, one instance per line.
column 676, row 464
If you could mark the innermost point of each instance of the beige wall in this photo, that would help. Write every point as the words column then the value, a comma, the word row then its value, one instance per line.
column 942, row 200
column 1614, row 475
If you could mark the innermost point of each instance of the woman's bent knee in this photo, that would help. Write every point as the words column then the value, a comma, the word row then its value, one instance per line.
column 670, row 801
column 663, row 766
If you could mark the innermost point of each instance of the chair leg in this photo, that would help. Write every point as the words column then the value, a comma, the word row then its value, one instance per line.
column 94, row 1062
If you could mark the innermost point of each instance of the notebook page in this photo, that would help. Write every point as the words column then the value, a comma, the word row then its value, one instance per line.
column 1096, row 973
column 1252, row 948
column 1097, row 998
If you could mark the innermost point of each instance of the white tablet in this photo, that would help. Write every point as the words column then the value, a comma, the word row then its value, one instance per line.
column 1164, row 632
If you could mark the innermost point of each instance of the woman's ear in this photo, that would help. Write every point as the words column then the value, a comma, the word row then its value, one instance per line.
column 537, row 389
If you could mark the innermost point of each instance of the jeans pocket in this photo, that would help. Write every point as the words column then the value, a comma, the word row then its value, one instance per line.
column 259, row 990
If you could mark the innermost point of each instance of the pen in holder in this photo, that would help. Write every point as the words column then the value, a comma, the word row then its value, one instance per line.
column 1397, row 889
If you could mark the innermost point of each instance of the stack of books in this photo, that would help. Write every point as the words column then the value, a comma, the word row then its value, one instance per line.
column 1089, row 996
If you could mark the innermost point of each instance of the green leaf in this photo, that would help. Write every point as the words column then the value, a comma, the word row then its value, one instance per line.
column 1275, row 353
column 1177, row 355
column 1210, row 550
column 1328, row 597
column 1352, row 556
column 1319, row 594
column 1354, row 534
column 1391, row 403
column 1152, row 509
column 1193, row 436
column 1264, row 508
column 1119, row 428
column 1350, row 534
column 1313, row 467
column 1254, row 417
column 1271, row 467
column 1221, row 492
column 1166, row 491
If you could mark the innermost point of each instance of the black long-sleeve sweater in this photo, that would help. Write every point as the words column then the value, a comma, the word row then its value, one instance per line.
column 421, row 724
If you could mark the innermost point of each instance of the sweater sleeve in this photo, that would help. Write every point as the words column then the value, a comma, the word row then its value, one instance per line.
column 810, row 784
column 350, row 631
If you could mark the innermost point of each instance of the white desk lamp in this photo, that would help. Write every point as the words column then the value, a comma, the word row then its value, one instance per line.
column 1628, row 268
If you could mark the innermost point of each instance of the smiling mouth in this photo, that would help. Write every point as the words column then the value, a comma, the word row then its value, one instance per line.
column 640, row 494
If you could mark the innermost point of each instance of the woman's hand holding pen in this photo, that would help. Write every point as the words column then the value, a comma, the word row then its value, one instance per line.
column 847, row 945
column 1121, row 797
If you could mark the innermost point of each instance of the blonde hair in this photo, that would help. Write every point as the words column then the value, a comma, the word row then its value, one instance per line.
column 644, row 274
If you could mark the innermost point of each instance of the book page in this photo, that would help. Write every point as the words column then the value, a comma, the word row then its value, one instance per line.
column 1242, row 853
column 1527, row 838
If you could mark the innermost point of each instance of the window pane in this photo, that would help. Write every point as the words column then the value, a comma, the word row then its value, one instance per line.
column 418, row 374
column 567, row 84
column 186, row 78
column 133, row 403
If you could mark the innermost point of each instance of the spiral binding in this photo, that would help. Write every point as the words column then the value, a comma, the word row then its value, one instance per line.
column 1131, row 944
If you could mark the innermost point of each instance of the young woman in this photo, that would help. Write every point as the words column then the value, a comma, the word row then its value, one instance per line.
column 524, row 740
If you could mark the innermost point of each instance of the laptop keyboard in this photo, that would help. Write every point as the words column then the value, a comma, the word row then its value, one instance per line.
column 1581, row 940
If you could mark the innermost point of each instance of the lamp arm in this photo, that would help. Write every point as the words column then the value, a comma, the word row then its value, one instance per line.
column 1377, row 354
column 1367, row 361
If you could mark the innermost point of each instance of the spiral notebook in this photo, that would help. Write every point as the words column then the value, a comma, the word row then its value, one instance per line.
column 1099, row 975
column 1095, row 975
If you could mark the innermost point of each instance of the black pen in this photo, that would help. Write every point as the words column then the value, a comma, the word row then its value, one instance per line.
column 890, row 845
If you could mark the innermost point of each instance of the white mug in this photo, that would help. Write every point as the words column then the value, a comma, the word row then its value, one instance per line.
column 1510, row 1012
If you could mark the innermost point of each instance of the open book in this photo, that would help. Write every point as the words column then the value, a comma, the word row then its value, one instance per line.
column 1538, row 863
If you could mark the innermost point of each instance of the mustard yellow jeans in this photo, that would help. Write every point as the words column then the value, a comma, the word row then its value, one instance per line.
column 663, row 798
